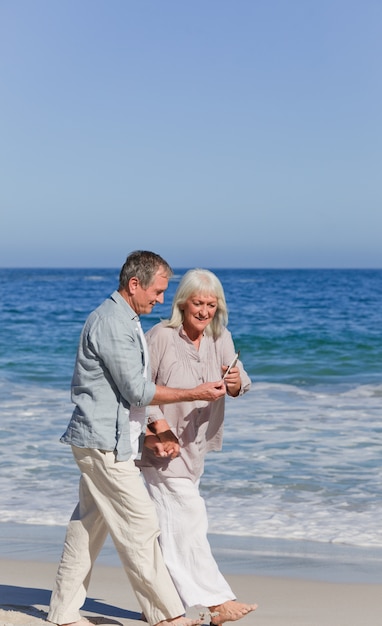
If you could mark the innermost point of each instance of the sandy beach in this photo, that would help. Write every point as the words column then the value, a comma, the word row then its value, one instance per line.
column 25, row 591
column 294, row 583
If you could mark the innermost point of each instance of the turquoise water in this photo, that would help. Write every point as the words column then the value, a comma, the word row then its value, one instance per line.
column 302, row 327
column 301, row 457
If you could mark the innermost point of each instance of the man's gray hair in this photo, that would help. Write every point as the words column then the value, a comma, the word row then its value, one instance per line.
column 143, row 265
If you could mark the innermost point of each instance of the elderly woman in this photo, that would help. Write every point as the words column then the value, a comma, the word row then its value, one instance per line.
column 194, row 346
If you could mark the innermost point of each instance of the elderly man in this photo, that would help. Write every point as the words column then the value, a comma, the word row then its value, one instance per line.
column 110, row 376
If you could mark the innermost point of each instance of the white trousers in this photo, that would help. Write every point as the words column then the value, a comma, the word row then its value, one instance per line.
column 114, row 499
column 183, row 539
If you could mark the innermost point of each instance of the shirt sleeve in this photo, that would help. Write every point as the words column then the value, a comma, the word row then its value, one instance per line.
column 119, row 349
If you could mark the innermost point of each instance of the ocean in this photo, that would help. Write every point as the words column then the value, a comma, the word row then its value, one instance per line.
column 302, row 449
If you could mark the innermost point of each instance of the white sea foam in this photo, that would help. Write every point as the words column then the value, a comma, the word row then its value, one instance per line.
column 296, row 463
column 300, row 464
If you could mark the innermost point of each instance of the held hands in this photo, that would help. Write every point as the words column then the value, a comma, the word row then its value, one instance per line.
column 161, row 440
column 163, row 449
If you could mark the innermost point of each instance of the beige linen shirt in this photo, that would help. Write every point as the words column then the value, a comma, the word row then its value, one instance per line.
column 175, row 362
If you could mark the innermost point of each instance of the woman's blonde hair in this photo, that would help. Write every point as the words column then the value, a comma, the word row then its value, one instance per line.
column 200, row 281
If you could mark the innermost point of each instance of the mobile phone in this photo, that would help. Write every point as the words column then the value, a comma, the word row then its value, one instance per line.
column 232, row 364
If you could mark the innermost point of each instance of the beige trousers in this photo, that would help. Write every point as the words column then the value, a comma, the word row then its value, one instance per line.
column 112, row 499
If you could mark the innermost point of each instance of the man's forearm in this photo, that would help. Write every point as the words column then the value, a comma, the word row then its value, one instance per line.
column 206, row 391
column 170, row 395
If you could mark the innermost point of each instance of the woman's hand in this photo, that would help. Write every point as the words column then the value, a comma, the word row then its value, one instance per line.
column 163, row 449
column 161, row 440
column 232, row 380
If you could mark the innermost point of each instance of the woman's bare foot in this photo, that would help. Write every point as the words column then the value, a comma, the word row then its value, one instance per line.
column 230, row 611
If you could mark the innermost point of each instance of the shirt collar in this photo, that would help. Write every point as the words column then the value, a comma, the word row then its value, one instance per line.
column 116, row 296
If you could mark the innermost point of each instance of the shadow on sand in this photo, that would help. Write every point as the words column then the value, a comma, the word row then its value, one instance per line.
column 22, row 599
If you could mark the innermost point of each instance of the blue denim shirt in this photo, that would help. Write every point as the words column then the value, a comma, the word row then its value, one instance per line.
column 108, row 379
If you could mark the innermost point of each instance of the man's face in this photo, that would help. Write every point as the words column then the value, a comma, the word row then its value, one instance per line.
column 144, row 300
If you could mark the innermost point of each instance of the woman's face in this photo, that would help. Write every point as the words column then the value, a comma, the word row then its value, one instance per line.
column 198, row 312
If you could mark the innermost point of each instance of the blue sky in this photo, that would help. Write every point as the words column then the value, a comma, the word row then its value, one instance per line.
column 241, row 133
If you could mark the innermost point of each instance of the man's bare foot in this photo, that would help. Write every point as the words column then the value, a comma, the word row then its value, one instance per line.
column 230, row 611
column 181, row 621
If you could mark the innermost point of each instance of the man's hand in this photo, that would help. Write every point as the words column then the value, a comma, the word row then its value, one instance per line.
column 163, row 445
column 170, row 443
column 210, row 391
column 161, row 440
